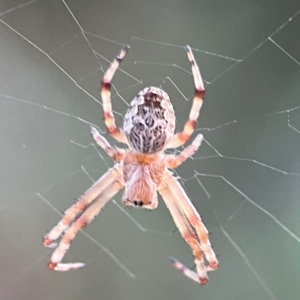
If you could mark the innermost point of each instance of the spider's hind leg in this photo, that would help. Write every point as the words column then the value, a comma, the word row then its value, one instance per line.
column 189, row 127
column 115, row 153
column 173, row 161
column 109, row 118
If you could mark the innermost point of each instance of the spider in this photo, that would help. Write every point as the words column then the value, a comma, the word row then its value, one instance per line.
column 142, row 170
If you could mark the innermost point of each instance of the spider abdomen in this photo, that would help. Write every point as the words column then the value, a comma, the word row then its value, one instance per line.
column 149, row 122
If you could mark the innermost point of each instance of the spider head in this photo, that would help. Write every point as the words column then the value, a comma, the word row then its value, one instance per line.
column 149, row 122
column 140, row 189
column 140, row 195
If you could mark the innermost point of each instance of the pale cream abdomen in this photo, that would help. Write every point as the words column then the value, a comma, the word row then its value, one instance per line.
column 150, row 121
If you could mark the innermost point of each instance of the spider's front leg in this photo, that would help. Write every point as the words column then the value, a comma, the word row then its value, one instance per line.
column 184, row 215
column 194, row 218
column 88, row 206
column 85, row 200
column 189, row 236
column 86, row 217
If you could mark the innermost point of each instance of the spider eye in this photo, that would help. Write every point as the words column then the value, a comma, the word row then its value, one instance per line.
column 138, row 203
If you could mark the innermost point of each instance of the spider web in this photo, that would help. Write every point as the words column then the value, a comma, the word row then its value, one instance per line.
column 244, row 180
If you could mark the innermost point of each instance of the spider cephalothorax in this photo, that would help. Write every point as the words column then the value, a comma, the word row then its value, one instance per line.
column 150, row 121
column 142, row 170
column 142, row 175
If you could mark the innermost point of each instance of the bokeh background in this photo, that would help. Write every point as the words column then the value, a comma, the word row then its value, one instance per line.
column 244, row 180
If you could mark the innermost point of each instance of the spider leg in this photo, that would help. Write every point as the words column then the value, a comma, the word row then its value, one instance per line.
column 187, row 233
column 115, row 153
column 90, row 195
column 181, row 137
column 86, row 217
column 194, row 218
column 109, row 118
column 173, row 161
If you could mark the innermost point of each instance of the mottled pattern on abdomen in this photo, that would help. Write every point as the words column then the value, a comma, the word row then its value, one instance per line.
column 149, row 122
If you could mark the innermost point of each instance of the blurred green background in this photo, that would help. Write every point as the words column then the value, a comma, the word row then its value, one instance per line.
column 244, row 180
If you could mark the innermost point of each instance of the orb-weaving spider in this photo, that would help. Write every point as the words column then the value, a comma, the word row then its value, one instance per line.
column 142, row 170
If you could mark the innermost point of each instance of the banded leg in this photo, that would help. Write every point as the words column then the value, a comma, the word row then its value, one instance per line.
column 173, row 161
column 194, row 218
column 87, row 216
column 115, row 153
column 109, row 118
column 181, row 137
column 188, row 235
column 89, row 196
